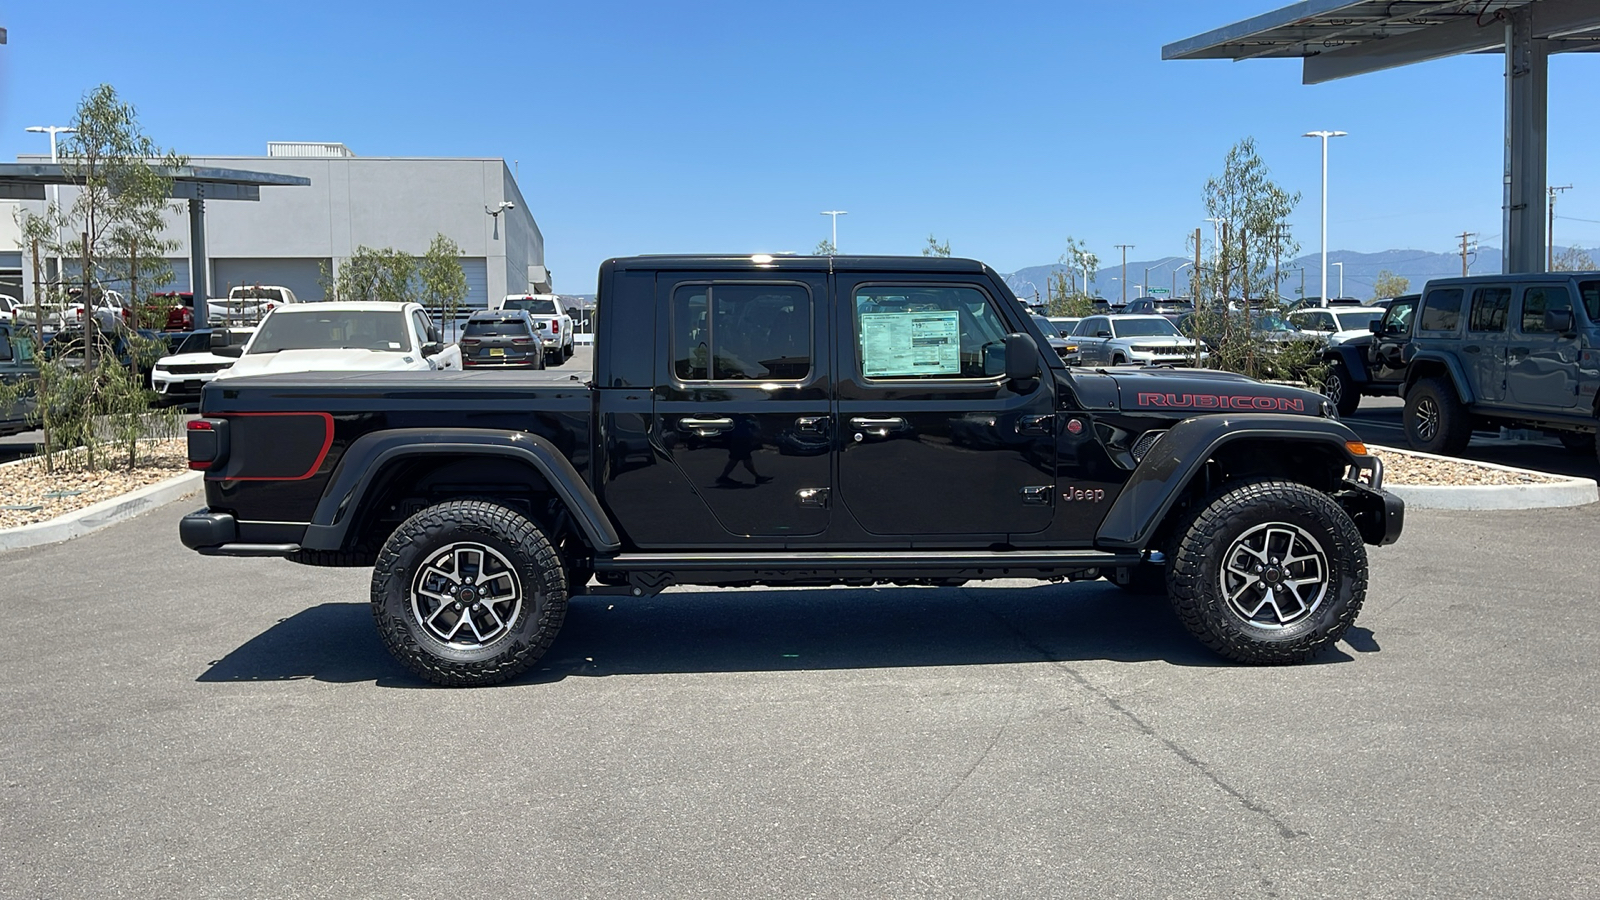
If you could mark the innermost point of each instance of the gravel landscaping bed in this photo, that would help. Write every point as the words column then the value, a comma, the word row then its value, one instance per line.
column 28, row 494
column 1405, row 468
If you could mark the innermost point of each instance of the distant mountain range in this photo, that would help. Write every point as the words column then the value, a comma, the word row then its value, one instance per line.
column 1360, row 272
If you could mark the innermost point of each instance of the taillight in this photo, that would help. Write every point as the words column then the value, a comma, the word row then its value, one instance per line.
column 522, row 340
column 470, row 342
column 208, row 442
column 555, row 326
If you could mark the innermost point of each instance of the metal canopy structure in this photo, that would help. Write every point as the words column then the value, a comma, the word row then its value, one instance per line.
column 1341, row 38
column 196, row 184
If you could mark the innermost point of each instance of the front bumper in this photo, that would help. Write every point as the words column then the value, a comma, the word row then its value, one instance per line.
column 1378, row 514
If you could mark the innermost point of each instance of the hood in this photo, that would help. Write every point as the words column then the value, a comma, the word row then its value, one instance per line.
column 321, row 361
column 196, row 359
column 1191, row 391
column 1355, row 337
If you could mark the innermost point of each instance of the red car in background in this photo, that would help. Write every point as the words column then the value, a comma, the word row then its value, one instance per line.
column 178, row 307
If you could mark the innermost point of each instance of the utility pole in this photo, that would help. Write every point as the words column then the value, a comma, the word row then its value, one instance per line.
column 1277, row 246
column 1464, row 236
column 1196, row 291
column 1550, row 263
column 1124, row 248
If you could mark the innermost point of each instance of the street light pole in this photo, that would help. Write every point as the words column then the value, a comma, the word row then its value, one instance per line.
column 55, row 191
column 1216, row 248
column 1325, row 135
column 835, row 213
column 1341, row 277
column 1174, row 294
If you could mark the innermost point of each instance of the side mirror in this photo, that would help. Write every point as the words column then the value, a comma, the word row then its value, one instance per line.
column 1022, row 357
column 1102, row 334
column 1558, row 320
column 1375, row 326
column 233, row 350
column 431, row 348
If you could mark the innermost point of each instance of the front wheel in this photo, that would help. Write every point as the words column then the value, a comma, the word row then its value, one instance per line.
column 468, row 593
column 1435, row 419
column 1269, row 572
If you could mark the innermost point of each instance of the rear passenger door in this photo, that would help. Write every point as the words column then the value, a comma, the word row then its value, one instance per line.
column 1542, row 364
column 1484, row 349
column 744, row 407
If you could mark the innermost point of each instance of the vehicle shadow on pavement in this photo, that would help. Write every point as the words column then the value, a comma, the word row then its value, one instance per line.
column 773, row 630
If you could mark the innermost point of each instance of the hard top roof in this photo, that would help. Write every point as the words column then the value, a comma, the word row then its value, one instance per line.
column 776, row 262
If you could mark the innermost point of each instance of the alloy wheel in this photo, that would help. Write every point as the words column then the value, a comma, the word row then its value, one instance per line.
column 1274, row 575
column 467, row 595
column 1427, row 426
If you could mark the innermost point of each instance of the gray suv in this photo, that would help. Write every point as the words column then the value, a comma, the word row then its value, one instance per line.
column 1514, row 350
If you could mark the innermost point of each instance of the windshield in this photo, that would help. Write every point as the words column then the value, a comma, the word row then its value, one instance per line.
column 255, row 293
column 1272, row 322
column 1048, row 327
column 331, row 330
column 1357, row 321
column 199, row 342
column 533, row 305
column 1143, row 327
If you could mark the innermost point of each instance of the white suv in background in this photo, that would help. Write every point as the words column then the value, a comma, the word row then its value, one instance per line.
column 338, row 336
column 248, row 304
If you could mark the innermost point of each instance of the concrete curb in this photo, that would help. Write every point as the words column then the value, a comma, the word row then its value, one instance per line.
column 98, row 516
column 1564, row 491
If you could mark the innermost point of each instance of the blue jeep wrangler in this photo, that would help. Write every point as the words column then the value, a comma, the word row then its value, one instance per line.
column 1513, row 350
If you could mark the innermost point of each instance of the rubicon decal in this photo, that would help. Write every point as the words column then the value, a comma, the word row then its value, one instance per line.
column 1221, row 401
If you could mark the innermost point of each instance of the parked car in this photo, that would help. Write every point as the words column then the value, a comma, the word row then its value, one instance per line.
column 1336, row 323
column 1520, row 351
column 8, row 308
column 178, row 378
column 940, row 444
column 17, row 364
column 501, row 339
column 247, row 304
column 1065, row 324
column 1371, row 364
column 1134, row 340
column 1316, row 303
column 1158, row 306
column 1064, row 348
column 111, row 311
column 175, row 309
column 1269, row 326
column 342, row 336
column 550, row 317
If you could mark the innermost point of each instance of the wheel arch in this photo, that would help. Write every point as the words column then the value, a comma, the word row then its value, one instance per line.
column 1354, row 361
column 381, row 466
column 1428, row 364
column 1201, row 453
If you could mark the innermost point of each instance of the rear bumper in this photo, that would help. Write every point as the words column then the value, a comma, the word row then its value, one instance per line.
column 217, row 534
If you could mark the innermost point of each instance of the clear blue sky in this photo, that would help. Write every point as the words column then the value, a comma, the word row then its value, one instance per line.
column 698, row 127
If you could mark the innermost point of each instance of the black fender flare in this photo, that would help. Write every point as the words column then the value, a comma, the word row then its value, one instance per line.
column 1355, row 362
column 1458, row 376
column 1178, row 457
column 370, row 453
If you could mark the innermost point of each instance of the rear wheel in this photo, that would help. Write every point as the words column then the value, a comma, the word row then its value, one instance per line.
column 1269, row 572
column 1435, row 420
column 468, row 592
column 1577, row 443
column 1340, row 389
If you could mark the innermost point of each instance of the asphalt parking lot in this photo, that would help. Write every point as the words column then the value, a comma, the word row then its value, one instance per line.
column 178, row 726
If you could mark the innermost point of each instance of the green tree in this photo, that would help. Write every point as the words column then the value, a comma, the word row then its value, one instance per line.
column 934, row 248
column 1079, row 259
column 1065, row 300
column 444, row 283
column 1389, row 285
column 113, row 242
column 824, row 248
column 1574, row 259
column 369, row 274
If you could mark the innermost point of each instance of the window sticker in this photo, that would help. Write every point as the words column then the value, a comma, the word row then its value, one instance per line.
column 910, row 343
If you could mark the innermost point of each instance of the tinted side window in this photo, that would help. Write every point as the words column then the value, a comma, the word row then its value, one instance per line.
column 1536, row 301
column 926, row 331
column 1398, row 319
column 736, row 332
column 5, row 348
column 1489, row 307
column 1441, row 311
column 1591, row 299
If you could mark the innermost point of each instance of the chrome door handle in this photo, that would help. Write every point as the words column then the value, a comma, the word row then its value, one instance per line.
column 877, row 427
column 706, row 427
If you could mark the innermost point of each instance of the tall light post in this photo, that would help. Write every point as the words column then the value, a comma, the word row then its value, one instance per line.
column 1174, row 294
column 55, row 191
column 835, row 213
column 1341, row 276
column 1325, row 135
column 1216, row 250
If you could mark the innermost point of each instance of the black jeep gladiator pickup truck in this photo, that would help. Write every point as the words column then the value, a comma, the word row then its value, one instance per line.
column 794, row 421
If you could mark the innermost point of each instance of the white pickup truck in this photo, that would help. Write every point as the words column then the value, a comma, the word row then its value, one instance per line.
column 549, row 314
column 343, row 337
column 247, row 304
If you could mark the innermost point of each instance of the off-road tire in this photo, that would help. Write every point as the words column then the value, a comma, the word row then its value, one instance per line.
column 567, row 351
column 534, row 565
column 1230, row 516
column 1340, row 388
column 1577, row 442
column 1435, row 419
